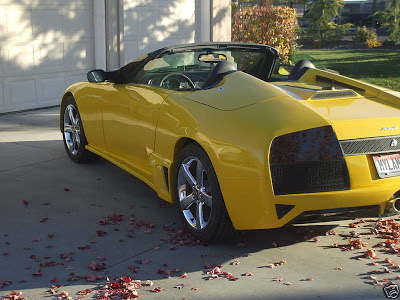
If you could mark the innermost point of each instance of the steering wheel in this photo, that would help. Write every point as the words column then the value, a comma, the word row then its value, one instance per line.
column 170, row 76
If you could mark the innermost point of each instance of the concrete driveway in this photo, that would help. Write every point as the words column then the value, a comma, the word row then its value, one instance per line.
column 50, row 233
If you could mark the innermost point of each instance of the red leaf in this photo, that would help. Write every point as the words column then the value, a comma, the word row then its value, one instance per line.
column 157, row 290
column 66, row 189
column 51, row 235
column 26, row 202
column 133, row 269
column 84, row 247
column 143, row 261
column 54, row 280
column 91, row 278
column 44, row 220
column 36, row 240
column 38, row 273
column 101, row 233
column 97, row 266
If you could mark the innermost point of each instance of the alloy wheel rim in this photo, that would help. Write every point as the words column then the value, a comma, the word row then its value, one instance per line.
column 72, row 129
column 194, row 191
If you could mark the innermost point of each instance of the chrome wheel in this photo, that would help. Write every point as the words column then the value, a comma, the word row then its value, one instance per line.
column 194, row 193
column 72, row 130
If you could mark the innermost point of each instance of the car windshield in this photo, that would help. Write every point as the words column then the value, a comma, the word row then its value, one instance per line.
column 189, row 68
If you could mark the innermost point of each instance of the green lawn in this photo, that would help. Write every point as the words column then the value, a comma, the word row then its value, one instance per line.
column 377, row 67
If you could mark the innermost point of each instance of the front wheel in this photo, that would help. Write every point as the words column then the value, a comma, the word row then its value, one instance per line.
column 198, row 196
column 73, row 133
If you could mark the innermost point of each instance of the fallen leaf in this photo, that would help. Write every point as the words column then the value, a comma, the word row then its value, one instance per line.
column 91, row 278
column 38, row 273
column 84, row 247
column 157, row 290
column 280, row 279
column 143, row 261
column 148, row 283
column 101, row 233
column 97, row 266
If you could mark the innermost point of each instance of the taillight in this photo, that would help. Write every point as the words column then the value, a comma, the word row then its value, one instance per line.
column 308, row 161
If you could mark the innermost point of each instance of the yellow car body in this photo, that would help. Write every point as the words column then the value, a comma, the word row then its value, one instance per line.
column 142, row 128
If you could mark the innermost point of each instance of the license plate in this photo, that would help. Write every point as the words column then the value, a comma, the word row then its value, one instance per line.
column 387, row 165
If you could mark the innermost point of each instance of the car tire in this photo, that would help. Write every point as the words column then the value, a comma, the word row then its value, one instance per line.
column 73, row 133
column 198, row 197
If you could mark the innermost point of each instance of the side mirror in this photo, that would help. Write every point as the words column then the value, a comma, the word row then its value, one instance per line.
column 96, row 76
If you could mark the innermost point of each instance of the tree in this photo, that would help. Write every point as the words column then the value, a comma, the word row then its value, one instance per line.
column 391, row 18
column 321, row 14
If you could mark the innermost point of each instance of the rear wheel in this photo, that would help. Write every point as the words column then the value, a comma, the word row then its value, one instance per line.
column 198, row 196
column 73, row 133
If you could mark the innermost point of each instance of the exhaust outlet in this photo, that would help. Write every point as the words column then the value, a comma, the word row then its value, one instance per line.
column 396, row 205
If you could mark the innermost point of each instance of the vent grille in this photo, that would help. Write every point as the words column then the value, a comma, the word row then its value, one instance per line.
column 334, row 94
column 310, row 177
column 371, row 145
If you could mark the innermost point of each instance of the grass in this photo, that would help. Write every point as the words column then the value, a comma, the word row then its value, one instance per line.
column 376, row 67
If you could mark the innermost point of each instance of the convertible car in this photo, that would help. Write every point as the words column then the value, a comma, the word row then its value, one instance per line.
column 222, row 132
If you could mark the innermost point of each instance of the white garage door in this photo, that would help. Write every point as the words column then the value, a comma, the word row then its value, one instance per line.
column 150, row 25
column 44, row 47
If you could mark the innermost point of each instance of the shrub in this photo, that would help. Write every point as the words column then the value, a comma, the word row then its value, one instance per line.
column 274, row 26
column 373, row 44
column 363, row 34
column 335, row 32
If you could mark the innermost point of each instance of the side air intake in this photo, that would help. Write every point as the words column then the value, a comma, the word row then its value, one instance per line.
column 334, row 95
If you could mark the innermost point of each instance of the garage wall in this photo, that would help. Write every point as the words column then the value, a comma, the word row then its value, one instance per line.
column 152, row 24
column 45, row 45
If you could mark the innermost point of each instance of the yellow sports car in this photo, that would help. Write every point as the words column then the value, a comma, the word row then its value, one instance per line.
column 216, row 130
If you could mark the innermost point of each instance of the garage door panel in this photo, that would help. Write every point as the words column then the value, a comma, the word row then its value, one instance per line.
column 79, row 55
column 19, row 59
column 75, row 77
column 50, row 87
column 19, row 23
column 20, row 92
column 47, row 23
column 77, row 23
column 49, row 56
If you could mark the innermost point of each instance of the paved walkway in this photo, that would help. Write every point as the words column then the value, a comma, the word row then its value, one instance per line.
column 50, row 234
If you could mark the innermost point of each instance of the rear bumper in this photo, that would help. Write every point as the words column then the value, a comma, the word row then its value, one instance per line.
column 251, row 203
column 326, row 215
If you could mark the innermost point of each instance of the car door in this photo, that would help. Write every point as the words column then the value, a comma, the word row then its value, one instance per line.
column 129, row 120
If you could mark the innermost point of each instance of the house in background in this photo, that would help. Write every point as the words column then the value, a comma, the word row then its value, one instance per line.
column 46, row 45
